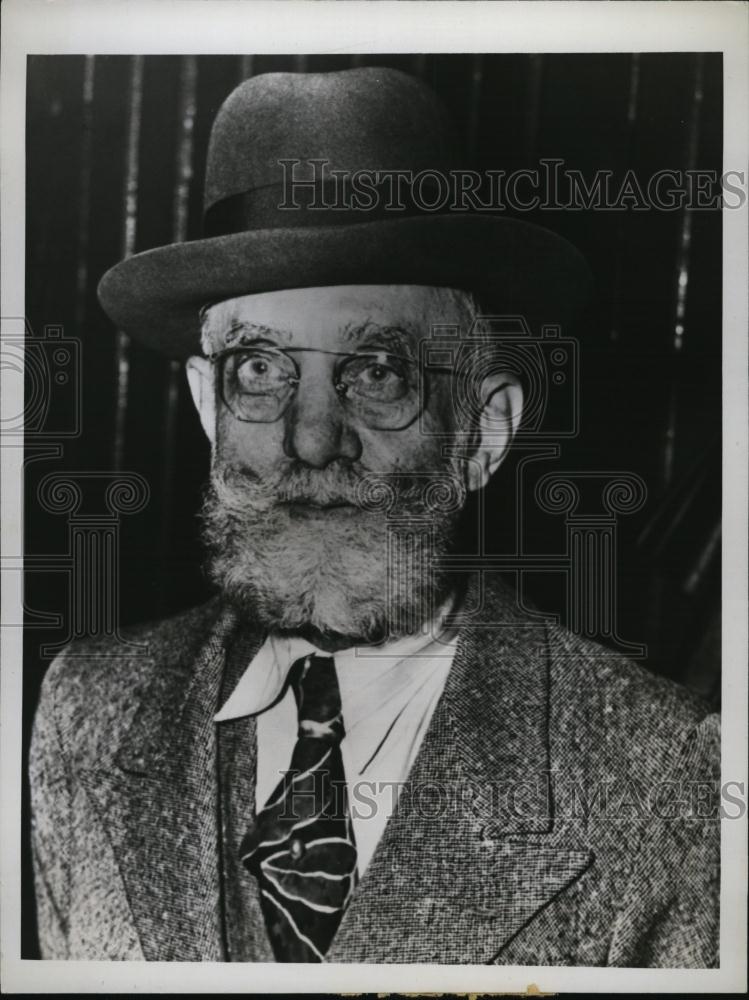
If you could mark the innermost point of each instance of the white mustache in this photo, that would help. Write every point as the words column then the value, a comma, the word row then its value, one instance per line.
column 339, row 484
column 335, row 484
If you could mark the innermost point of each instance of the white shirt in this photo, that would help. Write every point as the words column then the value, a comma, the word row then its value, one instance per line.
column 388, row 695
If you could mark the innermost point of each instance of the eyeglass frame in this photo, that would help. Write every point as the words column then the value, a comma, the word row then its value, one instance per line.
column 218, row 357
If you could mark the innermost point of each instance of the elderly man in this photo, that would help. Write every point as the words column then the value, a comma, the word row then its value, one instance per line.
column 354, row 752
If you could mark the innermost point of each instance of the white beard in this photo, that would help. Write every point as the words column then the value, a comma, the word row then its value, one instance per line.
column 368, row 574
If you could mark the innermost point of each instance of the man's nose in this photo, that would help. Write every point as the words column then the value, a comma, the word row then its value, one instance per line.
column 317, row 429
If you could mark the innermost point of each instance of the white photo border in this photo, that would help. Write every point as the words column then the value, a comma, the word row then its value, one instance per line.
column 300, row 26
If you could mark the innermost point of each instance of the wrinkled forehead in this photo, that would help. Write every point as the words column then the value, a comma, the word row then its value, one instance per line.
column 312, row 313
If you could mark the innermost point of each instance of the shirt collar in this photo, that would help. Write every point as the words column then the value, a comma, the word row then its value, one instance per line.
column 263, row 681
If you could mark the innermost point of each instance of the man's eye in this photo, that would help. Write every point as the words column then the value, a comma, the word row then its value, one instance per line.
column 376, row 380
column 260, row 373
column 378, row 374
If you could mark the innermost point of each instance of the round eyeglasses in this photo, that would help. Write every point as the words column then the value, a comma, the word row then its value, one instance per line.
column 383, row 391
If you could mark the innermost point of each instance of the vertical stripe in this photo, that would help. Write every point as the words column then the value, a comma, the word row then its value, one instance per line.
column 532, row 113
column 472, row 127
column 419, row 65
column 180, row 218
column 132, row 149
column 634, row 88
column 184, row 165
column 685, row 240
column 245, row 68
column 84, row 194
column 707, row 554
column 609, row 581
column 110, row 568
column 590, row 583
column 618, row 284
column 573, row 582
column 300, row 64
column 97, row 580
column 683, row 260
column 129, row 228
column 79, row 574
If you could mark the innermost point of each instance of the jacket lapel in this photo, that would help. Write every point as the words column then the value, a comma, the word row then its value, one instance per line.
column 245, row 933
column 469, row 855
column 471, row 852
column 158, row 800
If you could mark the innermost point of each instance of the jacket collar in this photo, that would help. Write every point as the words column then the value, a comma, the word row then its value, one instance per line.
column 471, row 851
column 263, row 678
column 158, row 798
column 447, row 884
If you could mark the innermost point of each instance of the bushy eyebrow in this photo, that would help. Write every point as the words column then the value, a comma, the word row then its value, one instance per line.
column 395, row 337
column 259, row 331
column 400, row 338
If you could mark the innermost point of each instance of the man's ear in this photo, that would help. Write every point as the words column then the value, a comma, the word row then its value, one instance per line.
column 499, row 420
column 200, row 379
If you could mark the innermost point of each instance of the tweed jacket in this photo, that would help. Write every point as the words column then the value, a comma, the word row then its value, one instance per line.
column 561, row 809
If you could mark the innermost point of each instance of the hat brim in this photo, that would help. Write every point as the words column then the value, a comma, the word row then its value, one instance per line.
column 512, row 266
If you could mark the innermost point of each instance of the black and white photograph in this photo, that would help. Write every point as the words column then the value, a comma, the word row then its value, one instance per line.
column 374, row 496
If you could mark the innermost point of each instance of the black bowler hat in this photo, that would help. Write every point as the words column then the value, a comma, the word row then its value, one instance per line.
column 371, row 120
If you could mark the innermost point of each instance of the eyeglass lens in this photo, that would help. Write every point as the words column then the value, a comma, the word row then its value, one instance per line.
column 380, row 390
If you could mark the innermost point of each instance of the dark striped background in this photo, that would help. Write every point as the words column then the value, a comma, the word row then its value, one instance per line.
column 115, row 156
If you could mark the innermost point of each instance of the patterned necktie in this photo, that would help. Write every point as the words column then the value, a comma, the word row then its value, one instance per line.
column 301, row 847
